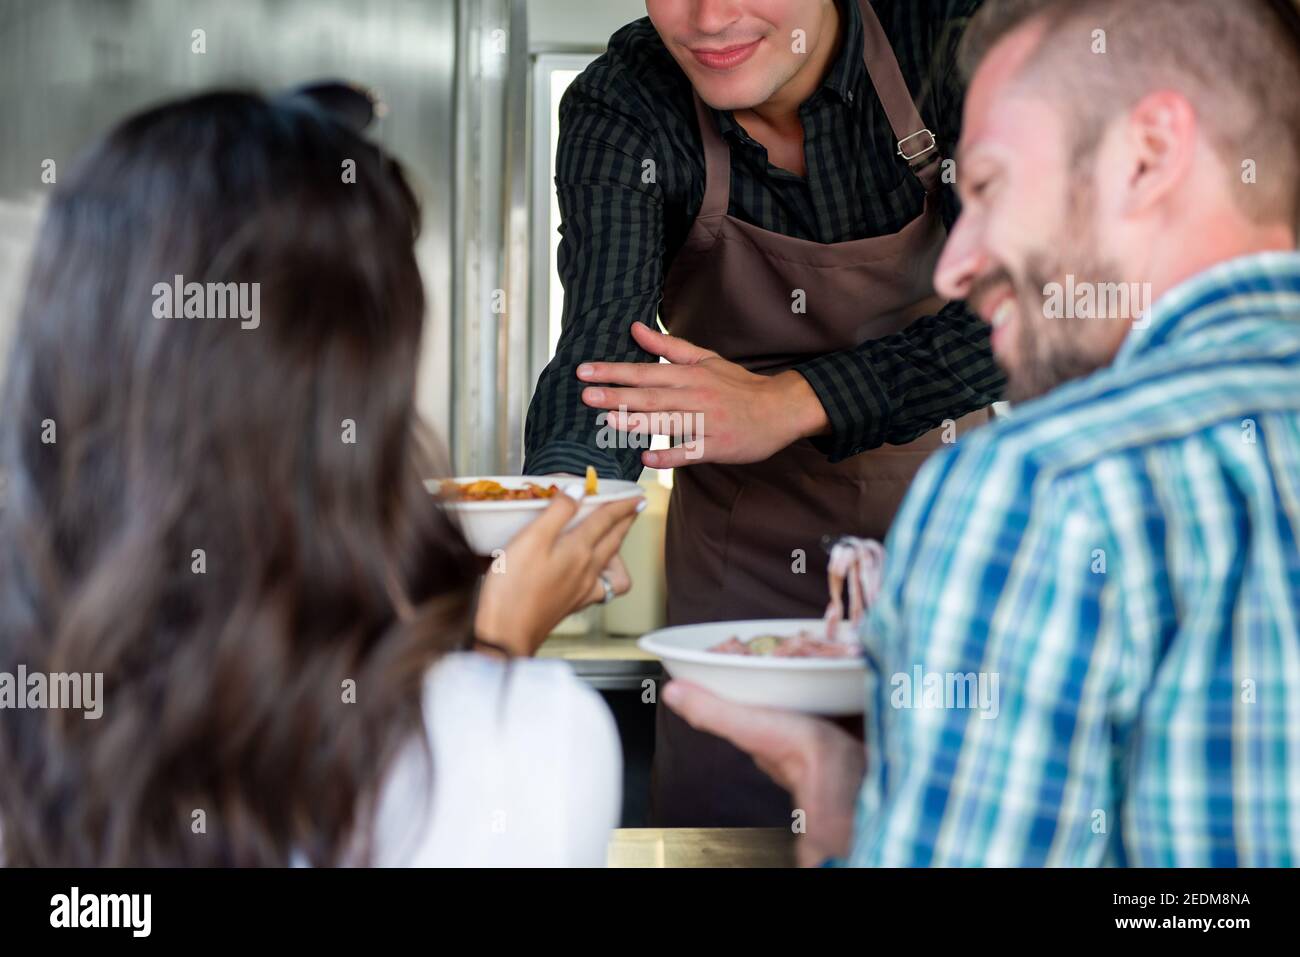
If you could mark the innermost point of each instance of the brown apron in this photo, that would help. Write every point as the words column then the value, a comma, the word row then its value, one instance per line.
column 746, row 541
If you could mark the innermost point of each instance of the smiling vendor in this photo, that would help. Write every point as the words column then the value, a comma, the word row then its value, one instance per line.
column 768, row 177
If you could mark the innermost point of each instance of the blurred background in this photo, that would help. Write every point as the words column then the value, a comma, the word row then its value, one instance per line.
column 472, row 89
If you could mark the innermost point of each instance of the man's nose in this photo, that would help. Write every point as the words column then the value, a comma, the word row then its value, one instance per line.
column 961, row 261
column 714, row 16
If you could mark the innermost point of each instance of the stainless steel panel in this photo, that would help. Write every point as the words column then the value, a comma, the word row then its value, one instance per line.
column 71, row 68
column 490, row 238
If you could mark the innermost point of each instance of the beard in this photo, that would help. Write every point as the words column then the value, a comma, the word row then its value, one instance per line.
column 1051, row 351
column 1054, row 351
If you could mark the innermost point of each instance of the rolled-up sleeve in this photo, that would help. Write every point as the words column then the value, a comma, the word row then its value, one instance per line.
column 611, row 266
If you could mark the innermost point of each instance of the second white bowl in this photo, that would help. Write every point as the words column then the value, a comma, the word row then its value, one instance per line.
column 825, row 686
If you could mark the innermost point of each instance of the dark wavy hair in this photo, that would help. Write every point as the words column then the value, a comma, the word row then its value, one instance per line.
column 225, row 687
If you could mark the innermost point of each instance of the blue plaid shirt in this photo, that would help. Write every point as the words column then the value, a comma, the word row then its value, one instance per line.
column 1087, row 648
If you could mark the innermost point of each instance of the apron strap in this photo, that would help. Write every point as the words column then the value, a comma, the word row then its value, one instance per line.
column 717, row 163
column 916, row 143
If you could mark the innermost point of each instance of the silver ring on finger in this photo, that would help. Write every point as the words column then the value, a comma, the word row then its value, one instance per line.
column 606, row 584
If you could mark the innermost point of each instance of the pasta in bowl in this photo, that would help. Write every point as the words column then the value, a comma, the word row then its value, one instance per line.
column 493, row 509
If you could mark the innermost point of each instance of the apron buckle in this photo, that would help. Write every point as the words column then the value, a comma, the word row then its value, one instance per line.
column 932, row 144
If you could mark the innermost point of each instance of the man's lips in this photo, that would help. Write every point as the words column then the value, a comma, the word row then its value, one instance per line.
column 728, row 57
column 1000, row 311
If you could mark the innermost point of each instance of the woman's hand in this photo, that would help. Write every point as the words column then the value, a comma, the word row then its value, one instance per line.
column 547, row 573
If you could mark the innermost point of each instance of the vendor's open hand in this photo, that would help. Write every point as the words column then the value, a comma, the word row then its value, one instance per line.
column 713, row 409
column 820, row 764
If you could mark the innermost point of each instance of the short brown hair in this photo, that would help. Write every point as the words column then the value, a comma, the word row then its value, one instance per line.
column 1237, row 62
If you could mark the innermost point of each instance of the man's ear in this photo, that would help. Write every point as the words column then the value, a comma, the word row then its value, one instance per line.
column 1162, row 137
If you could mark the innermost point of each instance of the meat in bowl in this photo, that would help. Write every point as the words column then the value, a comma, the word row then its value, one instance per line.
column 803, row 644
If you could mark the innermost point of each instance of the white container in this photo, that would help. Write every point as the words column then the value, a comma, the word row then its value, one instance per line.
column 489, row 526
column 827, row 686
column 644, row 608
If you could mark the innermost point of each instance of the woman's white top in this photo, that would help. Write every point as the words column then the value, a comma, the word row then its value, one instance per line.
column 526, row 771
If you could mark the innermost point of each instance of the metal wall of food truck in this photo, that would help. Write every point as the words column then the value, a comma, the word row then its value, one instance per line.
column 462, row 80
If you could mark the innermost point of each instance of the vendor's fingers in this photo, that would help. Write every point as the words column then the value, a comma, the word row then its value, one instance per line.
column 679, row 456
column 645, row 374
column 647, row 399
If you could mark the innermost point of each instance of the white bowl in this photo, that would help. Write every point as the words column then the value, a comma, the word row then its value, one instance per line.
column 826, row 686
column 489, row 526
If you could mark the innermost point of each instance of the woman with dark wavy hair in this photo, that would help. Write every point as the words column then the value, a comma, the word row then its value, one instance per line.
column 225, row 518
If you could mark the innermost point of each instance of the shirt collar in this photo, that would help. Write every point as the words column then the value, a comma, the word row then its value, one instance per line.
column 848, row 68
column 1260, row 282
column 846, row 73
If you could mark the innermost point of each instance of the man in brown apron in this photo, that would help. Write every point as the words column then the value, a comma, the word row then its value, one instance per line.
column 746, row 540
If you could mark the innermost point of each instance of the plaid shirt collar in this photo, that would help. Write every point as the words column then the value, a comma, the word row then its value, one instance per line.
column 1239, row 288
